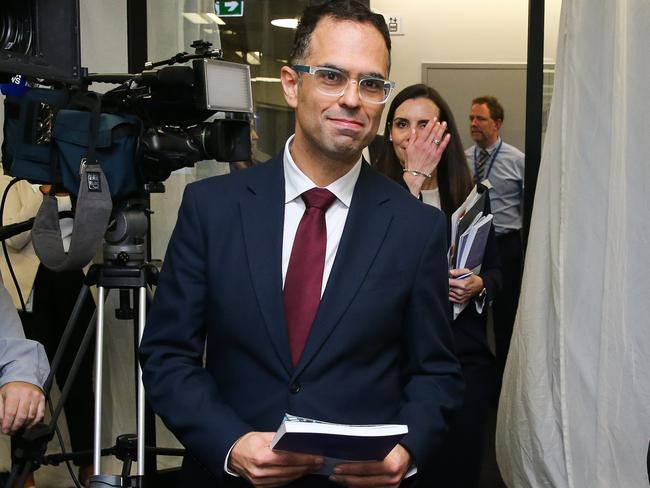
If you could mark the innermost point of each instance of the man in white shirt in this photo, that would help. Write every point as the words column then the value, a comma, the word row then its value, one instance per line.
column 502, row 165
column 315, row 286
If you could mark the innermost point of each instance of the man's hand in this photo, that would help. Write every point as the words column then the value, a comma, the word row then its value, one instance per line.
column 253, row 459
column 21, row 404
column 388, row 473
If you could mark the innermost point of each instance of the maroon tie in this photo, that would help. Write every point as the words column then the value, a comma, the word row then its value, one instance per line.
column 304, row 280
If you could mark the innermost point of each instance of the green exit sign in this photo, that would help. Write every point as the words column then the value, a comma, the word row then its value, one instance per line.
column 229, row 8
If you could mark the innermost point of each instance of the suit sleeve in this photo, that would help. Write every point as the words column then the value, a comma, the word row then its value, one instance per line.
column 432, row 381
column 491, row 266
column 179, row 389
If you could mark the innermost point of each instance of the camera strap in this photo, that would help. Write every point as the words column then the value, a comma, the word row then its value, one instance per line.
column 93, row 210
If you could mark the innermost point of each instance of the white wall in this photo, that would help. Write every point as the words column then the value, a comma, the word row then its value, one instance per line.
column 462, row 31
column 104, row 38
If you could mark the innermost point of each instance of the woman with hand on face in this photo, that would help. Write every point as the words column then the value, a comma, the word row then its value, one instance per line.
column 422, row 151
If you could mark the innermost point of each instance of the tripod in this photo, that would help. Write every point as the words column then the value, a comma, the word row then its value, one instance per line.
column 127, row 272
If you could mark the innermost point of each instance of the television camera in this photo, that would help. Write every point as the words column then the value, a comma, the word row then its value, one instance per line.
column 188, row 108
column 179, row 111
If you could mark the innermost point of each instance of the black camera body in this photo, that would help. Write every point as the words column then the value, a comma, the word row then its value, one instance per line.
column 177, row 106
column 40, row 38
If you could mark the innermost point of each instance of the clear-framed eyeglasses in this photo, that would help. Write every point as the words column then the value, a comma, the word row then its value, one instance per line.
column 333, row 82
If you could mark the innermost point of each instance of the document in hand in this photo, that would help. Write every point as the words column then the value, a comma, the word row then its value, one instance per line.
column 338, row 443
column 472, row 242
column 463, row 218
column 470, row 228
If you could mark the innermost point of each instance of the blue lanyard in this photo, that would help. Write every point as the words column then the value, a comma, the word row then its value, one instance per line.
column 494, row 156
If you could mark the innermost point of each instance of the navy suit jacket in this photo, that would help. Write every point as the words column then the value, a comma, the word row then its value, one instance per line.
column 380, row 349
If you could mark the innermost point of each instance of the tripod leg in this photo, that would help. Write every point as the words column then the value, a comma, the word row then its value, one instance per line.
column 99, row 357
column 16, row 479
column 142, row 317
column 81, row 352
column 65, row 338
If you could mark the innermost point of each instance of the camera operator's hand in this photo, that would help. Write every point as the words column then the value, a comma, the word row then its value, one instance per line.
column 21, row 405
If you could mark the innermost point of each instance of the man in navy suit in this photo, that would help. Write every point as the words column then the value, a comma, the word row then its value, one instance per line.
column 379, row 349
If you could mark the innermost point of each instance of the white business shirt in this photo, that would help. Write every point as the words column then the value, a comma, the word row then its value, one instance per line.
column 295, row 184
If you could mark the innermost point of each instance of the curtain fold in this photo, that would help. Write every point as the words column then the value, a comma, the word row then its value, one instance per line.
column 575, row 404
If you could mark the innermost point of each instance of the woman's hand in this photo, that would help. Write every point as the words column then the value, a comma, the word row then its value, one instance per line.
column 423, row 153
column 463, row 290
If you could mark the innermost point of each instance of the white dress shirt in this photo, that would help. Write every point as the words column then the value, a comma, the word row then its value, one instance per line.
column 295, row 184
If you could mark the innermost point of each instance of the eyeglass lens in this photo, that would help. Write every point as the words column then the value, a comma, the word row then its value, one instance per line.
column 332, row 82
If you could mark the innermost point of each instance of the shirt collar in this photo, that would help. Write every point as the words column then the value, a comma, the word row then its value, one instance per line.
column 491, row 149
column 296, row 182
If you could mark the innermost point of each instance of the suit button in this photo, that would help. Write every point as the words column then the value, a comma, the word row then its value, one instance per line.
column 294, row 387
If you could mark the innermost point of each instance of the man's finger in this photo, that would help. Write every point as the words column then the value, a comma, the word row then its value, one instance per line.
column 277, row 475
column 365, row 468
column 21, row 415
column 361, row 481
column 286, row 458
column 32, row 417
column 40, row 411
column 11, row 407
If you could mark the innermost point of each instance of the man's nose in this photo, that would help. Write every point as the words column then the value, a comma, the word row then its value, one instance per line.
column 350, row 97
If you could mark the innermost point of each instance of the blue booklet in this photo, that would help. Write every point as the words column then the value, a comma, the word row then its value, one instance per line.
column 338, row 443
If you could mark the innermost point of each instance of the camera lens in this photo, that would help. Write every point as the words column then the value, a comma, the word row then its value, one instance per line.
column 16, row 26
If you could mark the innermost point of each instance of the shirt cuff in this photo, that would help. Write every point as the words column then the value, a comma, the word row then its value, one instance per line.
column 23, row 360
column 479, row 302
column 412, row 470
column 225, row 463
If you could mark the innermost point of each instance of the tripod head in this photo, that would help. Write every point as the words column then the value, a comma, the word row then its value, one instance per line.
column 124, row 241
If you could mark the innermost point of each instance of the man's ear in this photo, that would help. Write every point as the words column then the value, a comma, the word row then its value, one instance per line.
column 290, row 81
column 498, row 123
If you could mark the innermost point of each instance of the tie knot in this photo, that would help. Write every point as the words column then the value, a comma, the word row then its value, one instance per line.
column 319, row 198
column 484, row 154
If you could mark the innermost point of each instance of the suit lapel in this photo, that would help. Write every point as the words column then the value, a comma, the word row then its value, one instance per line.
column 365, row 229
column 262, row 214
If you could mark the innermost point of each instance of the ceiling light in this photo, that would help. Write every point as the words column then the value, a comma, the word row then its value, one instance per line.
column 214, row 18
column 195, row 18
column 286, row 23
column 267, row 79
column 253, row 57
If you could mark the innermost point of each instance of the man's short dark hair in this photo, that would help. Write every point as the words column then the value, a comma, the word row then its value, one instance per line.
column 336, row 10
column 493, row 105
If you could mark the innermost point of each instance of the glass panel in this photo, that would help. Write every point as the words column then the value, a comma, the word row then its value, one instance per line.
column 173, row 26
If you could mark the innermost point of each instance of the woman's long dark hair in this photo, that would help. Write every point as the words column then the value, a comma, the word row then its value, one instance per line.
column 453, row 175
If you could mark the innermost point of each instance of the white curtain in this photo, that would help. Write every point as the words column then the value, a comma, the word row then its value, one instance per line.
column 575, row 405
